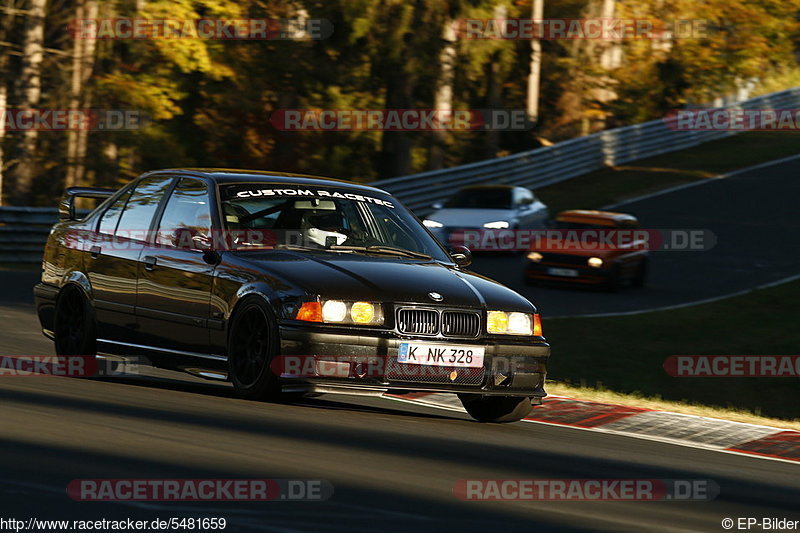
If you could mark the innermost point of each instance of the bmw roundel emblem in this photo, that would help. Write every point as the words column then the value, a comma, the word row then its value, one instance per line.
column 435, row 296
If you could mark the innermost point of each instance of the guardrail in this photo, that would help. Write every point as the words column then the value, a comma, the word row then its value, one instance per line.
column 568, row 159
column 24, row 230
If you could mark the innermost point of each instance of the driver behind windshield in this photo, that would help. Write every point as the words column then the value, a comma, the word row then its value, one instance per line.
column 326, row 228
column 324, row 219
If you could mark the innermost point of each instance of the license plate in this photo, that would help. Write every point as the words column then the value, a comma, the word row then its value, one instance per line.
column 418, row 353
column 566, row 272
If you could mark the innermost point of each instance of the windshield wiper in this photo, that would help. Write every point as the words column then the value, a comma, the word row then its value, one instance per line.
column 297, row 248
column 380, row 249
column 377, row 249
column 301, row 248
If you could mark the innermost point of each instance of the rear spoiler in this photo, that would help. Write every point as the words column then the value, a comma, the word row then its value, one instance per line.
column 66, row 209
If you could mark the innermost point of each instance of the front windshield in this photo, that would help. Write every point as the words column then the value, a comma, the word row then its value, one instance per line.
column 326, row 219
column 481, row 198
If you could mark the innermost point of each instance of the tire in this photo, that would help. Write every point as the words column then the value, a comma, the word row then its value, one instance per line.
column 74, row 325
column 253, row 342
column 497, row 409
column 641, row 274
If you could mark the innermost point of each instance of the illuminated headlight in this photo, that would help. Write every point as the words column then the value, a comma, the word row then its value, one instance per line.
column 509, row 323
column 432, row 223
column 363, row 312
column 535, row 257
column 595, row 262
column 498, row 224
column 341, row 312
column 334, row 311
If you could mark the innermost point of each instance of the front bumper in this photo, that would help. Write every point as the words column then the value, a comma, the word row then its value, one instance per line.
column 364, row 362
column 584, row 275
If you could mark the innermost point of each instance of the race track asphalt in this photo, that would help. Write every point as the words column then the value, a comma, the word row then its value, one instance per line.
column 393, row 465
column 753, row 215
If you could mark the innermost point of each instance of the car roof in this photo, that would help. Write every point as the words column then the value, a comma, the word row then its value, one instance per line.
column 227, row 175
column 588, row 215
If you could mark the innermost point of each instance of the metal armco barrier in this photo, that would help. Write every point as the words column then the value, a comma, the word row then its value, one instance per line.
column 23, row 232
column 568, row 159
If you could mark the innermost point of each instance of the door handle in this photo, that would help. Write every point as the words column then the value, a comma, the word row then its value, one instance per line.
column 94, row 251
column 149, row 262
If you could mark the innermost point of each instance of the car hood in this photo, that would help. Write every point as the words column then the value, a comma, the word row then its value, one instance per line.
column 361, row 277
column 471, row 218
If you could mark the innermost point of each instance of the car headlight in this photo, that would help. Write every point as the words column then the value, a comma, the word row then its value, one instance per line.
column 334, row 311
column 511, row 323
column 535, row 257
column 432, row 223
column 498, row 224
column 363, row 312
column 341, row 312
column 595, row 262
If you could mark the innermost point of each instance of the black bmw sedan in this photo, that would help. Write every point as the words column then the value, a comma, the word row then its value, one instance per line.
column 283, row 285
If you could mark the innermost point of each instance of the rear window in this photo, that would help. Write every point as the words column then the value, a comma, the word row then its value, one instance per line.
column 109, row 220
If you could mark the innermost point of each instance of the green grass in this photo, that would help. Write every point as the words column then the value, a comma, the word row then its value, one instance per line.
column 611, row 185
column 625, row 354
column 620, row 358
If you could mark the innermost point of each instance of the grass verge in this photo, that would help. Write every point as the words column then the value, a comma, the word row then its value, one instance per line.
column 625, row 354
column 612, row 185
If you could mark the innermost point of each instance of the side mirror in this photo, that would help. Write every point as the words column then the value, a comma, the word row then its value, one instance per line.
column 437, row 205
column 190, row 239
column 461, row 256
column 202, row 243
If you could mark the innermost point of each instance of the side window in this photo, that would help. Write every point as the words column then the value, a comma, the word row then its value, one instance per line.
column 108, row 222
column 524, row 197
column 141, row 206
column 186, row 222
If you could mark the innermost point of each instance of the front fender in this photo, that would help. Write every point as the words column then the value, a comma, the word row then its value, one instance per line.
column 78, row 278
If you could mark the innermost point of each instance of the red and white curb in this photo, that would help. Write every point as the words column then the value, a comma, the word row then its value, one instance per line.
column 664, row 426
